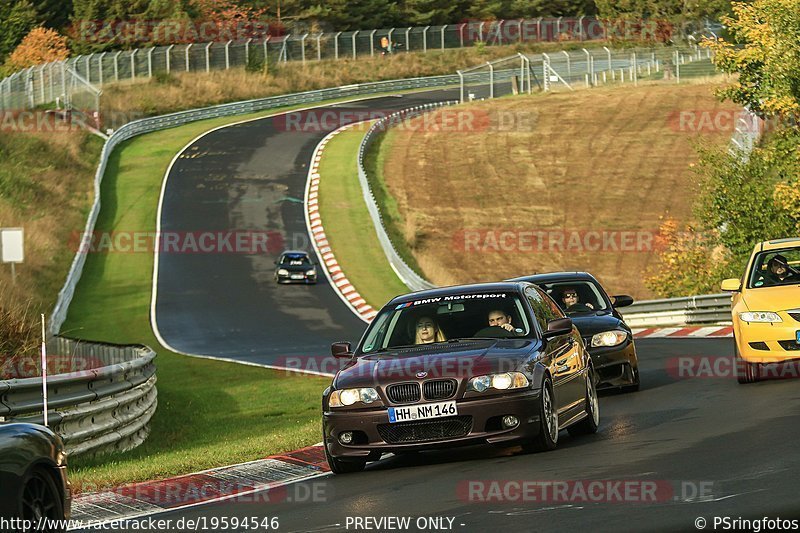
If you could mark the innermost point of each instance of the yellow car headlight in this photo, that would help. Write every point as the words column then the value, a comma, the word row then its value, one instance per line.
column 760, row 316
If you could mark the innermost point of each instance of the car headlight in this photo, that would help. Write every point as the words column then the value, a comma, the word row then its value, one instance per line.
column 311, row 272
column 347, row 397
column 760, row 316
column 283, row 272
column 609, row 338
column 505, row 381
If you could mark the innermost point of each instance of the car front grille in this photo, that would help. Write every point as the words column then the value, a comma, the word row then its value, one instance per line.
column 426, row 430
column 795, row 315
column 403, row 393
column 439, row 389
column 789, row 346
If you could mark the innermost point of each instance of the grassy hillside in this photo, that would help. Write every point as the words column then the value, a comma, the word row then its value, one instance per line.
column 548, row 183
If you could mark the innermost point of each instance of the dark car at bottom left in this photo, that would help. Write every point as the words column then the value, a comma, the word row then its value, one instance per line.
column 492, row 363
column 33, row 477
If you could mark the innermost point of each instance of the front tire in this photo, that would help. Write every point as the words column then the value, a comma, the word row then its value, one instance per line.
column 588, row 425
column 745, row 372
column 547, row 439
column 40, row 498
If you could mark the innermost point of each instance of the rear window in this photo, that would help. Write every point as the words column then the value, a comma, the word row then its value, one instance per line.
column 295, row 259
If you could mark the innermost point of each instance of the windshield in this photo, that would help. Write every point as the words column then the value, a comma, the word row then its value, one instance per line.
column 295, row 259
column 778, row 267
column 576, row 297
column 445, row 318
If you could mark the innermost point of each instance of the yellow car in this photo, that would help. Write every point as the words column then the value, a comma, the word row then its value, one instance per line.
column 766, row 309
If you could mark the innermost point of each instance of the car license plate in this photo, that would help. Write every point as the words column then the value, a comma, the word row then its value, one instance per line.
column 421, row 412
column 297, row 276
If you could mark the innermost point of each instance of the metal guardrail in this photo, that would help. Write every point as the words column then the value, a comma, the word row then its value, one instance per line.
column 105, row 407
column 694, row 310
column 407, row 275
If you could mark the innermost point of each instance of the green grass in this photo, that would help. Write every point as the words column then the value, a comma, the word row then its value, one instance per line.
column 209, row 413
column 348, row 225
column 374, row 163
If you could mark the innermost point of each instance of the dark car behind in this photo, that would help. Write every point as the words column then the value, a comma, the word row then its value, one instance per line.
column 606, row 335
column 33, row 474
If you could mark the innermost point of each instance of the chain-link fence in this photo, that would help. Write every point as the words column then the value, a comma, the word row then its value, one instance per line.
column 50, row 83
column 584, row 68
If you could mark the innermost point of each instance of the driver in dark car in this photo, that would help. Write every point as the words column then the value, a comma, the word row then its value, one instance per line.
column 500, row 318
column 572, row 302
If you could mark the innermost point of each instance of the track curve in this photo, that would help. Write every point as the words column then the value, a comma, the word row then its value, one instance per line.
column 250, row 177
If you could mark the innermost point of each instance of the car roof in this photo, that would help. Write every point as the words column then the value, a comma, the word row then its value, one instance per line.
column 498, row 286
column 294, row 252
column 552, row 277
column 776, row 244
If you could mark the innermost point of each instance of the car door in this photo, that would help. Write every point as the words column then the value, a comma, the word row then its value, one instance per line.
column 560, row 351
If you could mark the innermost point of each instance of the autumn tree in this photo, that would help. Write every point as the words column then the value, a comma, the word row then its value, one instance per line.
column 765, row 56
column 41, row 45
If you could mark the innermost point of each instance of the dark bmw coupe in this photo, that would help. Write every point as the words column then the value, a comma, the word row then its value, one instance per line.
column 490, row 363
column 33, row 476
column 606, row 335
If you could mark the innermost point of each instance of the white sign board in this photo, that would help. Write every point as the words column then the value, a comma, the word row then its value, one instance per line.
column 11, row 244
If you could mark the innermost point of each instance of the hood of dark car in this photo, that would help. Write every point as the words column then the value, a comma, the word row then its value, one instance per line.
column 459, row 360
column 591, row 323
column 296, row 268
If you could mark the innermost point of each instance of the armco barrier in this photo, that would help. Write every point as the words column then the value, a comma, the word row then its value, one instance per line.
column 694, row 310
column 411, row 279
column 104, row 407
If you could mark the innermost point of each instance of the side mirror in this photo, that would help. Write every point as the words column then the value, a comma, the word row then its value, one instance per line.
column 559, row 326
column 623, row 300
column 731, row 285
column 341, row 349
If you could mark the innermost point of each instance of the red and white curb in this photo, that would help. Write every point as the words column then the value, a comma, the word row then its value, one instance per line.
column 261, row 481
column 692, row 332
column 319, row 240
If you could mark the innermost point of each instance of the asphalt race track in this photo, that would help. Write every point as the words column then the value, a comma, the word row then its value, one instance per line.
column 251, row 177
column 711, row 446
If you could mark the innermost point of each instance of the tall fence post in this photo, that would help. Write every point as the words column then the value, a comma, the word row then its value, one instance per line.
column 491, row 80
column 303, row 48
column 635, row 70
column 133, row 64
column 461, row 33
column 187, row 56
column 425, row 39
column 208, row 56
column 546, row 71
column 168, row 55
column 228, row 55
column 354, row 43
column 100, row 67
column 319, row 47
column 461, row 84
column 443, row 30
column 408, row 42
column 677, row 66
column 116, row 66
column 336, row 45
column 569, row 64
column 580, row 28
column 372, row 43
column 150, row 62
